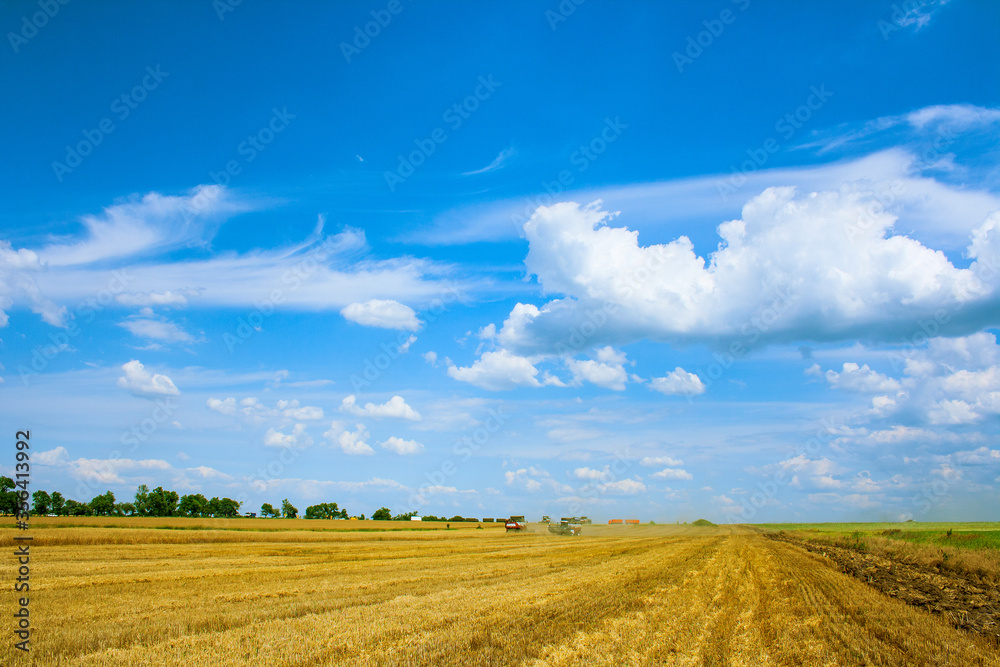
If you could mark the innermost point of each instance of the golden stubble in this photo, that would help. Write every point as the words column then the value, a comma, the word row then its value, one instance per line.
column 613, row 596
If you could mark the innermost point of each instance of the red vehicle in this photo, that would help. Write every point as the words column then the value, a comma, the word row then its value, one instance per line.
column 516, row 523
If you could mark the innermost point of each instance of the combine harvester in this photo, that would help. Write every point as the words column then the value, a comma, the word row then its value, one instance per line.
column 566, row 526
column 517, row 524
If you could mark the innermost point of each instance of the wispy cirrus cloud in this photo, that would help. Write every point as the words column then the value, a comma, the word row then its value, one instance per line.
column 157, row 330
column 136, row 237
column 499, row 162
column 146, row 224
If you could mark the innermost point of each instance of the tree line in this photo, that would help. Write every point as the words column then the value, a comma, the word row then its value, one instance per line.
column 161, row 502
column 156, row 502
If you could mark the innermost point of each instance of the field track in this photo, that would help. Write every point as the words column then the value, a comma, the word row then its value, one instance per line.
column 614, row 596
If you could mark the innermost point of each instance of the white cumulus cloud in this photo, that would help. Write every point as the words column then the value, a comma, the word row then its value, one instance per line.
column 401, row 446
column 297, row 438
column 496, row 371
column 350, row 442
column 627, row 487
column 812, row 266
column 395, row 407
column 678, row 382
column 383, row 313
column 861, row 379
column 590, row 473
column 141, row 382
column 225, row 406
column 605, row 370
column 673, row 473
column 660, row 461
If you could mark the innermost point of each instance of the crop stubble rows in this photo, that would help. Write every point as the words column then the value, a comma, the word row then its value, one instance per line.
column 613, row 597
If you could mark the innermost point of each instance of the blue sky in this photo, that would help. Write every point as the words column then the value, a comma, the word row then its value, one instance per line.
column 734, row 260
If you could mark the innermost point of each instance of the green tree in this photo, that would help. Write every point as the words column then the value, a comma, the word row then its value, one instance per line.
column 288, row 510
column 124, row 509
column 325, row 511
column 42, row 501
column 58, row 503
column 76, row 508
column 8, row 496
column 193, row 505
column 142, row 500
column 162, row 503
column 382, row 514
column 226, row 507
column 404, row 517
column 267, row 510
column 103, row 505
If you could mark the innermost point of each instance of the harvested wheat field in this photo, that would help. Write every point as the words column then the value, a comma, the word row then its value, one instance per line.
column 613, row 596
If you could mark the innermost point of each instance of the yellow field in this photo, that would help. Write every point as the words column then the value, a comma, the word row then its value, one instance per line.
column 182, row 530
column 645, row 595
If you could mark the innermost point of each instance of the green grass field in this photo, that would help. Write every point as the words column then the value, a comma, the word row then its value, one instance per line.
column 962, row 535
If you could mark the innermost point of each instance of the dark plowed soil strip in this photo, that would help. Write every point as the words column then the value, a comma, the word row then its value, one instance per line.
column 966, row 604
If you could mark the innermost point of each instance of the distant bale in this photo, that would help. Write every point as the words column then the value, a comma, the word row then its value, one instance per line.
column 702, row 522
